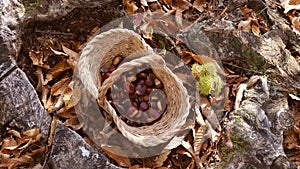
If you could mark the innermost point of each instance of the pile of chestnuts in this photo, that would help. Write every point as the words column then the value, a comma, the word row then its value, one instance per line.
column 137, row 95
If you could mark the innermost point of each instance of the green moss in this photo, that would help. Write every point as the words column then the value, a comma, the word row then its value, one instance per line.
column 255, row 61
column 2, row 110
column 35, row 5
column 239, row 149
column 237, row 118
column 208, row 81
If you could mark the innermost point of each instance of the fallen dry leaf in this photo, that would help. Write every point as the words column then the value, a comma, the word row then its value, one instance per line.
column 73, row 123
column 199, row 5
column 290, row 5
column 137, row 167
column 246, row 12
column 190, row 149
column 252, row 22
column 255, row 27
column 121, row 157
column 209, row 113
column 49, row 104
column 144, row 2
column 201, row 59
column 161, row 159
column 147, row 30
column 295, row 20
column 239, row 95
column 131, row 7
column 45, row 92
column 57, row 104
column 66, row 113
column 32, row 132
column 40, row 76
column 15, row 162
column 245, row 25
column 20, row 151
column 213, row 135
column 60, row 86
column 168, row 3
column 36, row 57
column 199, row 138
column 58, row 52
column 181, row 4
column 14, row 133
column 186, row 57
column 73, row 56
column 72, row 96
column 56, row 71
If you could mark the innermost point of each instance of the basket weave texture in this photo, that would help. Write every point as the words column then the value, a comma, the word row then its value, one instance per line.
column 100, row 52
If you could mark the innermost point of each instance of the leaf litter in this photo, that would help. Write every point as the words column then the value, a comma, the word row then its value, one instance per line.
column 57, row 91
column 22, row 149
column 199, row 148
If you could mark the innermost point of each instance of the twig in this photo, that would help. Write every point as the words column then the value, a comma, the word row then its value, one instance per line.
column 54, row 33
column 50, row 139
column 254, row 71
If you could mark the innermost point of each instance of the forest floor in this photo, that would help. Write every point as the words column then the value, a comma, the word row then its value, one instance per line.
column 50, row 51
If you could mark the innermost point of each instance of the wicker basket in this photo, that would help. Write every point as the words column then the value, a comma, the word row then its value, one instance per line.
column 102, row 48
column 100, row 51
column 174, row 116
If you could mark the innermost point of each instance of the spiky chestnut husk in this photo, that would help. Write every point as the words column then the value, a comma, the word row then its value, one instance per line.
column 204, row 85
column 203, row 70
column 208, row 81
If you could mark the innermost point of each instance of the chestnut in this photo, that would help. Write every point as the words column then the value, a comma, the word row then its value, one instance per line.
column 149, row 90
column 141, row 82
column 140, row 89
column 104, row 69
column 134, row 104
column 117, row 60
column 147, row 100
column 149, row 82
column 154, row 114
column 112, row 68
column 142, row 75
column 158, row 84
column 129, row 87
column 144, row 106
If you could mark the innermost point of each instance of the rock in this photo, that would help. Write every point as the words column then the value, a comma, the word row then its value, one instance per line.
column 5, row 62
column 270, row 53
column 71, row 151
column 255, row 130
column 49, row 10
column 11, row 12
column 19, row 105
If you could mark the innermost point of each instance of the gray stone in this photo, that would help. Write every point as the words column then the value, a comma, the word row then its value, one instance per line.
column 57, row 8
column 269, row 53
column 10, row 17
column 20, row 105
column 70, row 151
column 255, row 130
